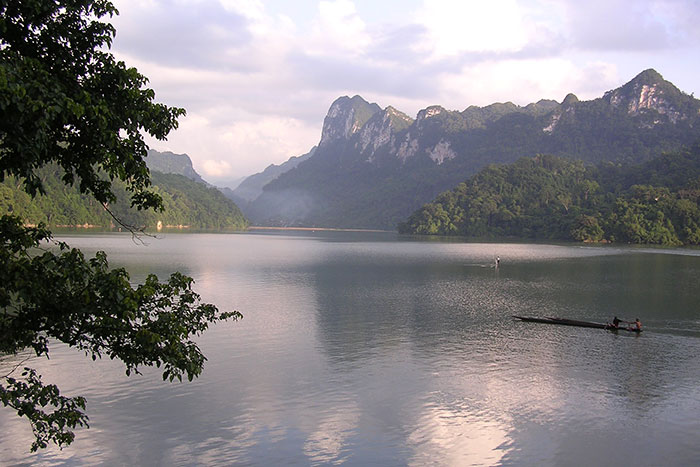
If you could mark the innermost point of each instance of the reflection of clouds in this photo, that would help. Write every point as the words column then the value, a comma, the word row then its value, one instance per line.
column 446, row 436
column 398, row 353
column 16, row 435
column 326, row 443
column 484, row 405
column 215, row 450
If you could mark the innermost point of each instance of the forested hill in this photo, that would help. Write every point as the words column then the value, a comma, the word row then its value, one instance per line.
column 548, row 197
column 187, row 204
column 374, row 167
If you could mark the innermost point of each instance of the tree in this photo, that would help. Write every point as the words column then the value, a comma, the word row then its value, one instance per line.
column 65, row 100
column 587, row 229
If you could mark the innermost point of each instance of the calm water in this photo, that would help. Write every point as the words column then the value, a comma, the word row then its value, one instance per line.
column 369, row 349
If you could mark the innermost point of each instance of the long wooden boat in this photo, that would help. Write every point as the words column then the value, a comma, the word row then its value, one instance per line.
column 573, row 322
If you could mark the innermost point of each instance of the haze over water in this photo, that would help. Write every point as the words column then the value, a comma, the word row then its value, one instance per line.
column 372, row 349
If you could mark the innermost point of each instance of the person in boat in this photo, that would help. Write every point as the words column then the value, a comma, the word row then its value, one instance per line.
column 636, row 325
column 616, row 323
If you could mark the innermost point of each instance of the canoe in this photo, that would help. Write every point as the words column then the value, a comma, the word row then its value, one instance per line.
column 573, row 322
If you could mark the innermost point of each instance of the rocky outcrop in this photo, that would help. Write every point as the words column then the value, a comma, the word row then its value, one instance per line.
column 346, row 117
column 374, row 167
column 648, row 91
column 380, row 132
column 441, row 152
column 170, row 163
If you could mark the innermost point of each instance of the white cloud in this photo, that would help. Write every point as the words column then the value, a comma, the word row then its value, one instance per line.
column 253, row 9
column 525, row 81
column 246, row 145
column 270, row 136
column 338, row 29
column 217, row 169
column 261, row 23
column 458, row 26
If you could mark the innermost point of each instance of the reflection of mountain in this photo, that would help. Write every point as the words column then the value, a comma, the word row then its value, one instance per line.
column 425, row 339
column 360, row 349
column 440, row 308
column 368, row 305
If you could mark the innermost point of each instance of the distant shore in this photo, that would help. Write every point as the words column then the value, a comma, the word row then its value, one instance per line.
column 323, row 229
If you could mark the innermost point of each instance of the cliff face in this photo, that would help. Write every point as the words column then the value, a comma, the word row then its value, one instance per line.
column 170, row 163
column 346, row 117
column 373, row 167
column 649, row 92
column 380, row 132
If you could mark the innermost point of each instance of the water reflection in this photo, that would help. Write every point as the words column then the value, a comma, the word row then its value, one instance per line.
column 362, row 349
column 453, row 312
column 328, row 439
column 447, row 435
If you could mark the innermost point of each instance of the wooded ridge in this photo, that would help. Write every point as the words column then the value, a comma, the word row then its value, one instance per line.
column 548, row 197
column 373, row 167
column 186, row 204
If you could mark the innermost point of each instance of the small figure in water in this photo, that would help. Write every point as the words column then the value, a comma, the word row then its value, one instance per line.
column 498, row 261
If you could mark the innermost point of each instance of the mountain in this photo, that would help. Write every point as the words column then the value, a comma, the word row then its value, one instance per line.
column 171, row 163
column 186, row 203
column 252, row 186
column 373, row 167
column 181, row 164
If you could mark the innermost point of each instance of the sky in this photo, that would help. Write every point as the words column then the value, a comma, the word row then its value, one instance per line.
column 257, row 76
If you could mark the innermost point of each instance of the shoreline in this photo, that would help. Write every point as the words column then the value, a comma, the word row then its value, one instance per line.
column 322, row 229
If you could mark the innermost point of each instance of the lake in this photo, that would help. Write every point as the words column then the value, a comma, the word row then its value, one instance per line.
column 372, row 349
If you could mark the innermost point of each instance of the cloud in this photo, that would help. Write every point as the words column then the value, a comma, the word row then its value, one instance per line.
column 278, row 135
column 216, row 169
column 363, row 76
column 616, row 25
column 524, row 81
column 245, row 145
column 338, row 29
column 195, row 34
column 398, row 44
column 681, row 17
column 458, row 26
column 251, row 9
column 257, row 83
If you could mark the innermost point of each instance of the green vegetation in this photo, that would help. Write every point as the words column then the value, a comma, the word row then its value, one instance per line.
column 185, row 203
column 194, row 204
column 375, row 180
column 657, row 202
column 67, row 103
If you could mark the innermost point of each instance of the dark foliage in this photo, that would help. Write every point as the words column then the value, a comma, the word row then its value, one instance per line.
column 66, row 102
column 547, row 197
